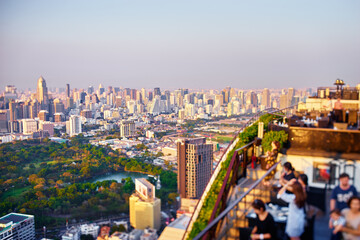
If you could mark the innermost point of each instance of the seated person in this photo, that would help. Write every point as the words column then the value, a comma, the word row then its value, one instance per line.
column 288, row 173
column 336, row 223
column 264, row 223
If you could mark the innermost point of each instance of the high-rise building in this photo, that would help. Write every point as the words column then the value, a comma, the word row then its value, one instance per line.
column 58, row 106
column 29, row 126
column 290, row 96
column 43, row 115
column 42, row 93
column 17, row 226
column 145, row 208
column 195, row 159
column 90, row 89
column 67, row 91
column 284, row 103
column 265, row 100
column 73, row 126
column 127, row 129
column 47, row 127
column 157, row 92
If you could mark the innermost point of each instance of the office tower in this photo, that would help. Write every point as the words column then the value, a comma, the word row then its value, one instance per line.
column 181, row 114
column 86, row 113
column 131, row 106
column 195, row 159
column 226, row 95
column 34, row 108
column 133, row 94
column 42, row 93
column 265, row 100
column 145, row 208
column 157, row 92
column 139, row 97
column 118, row 101
column 284, row 103
column 69, row 102
column 90, row 89
column 3, row 121
column 155, row 107
column 47, row 127
column 73, row 126
column 290, row 96
column 17, row 226
column 59, row 117
column 43, row 115
column 29, row 126
column 127, row 129
column 67, row 91
column 101, row 89
column 13, row 115
column 58, row 106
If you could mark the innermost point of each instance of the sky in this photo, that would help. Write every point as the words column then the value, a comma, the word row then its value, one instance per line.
column 201, row 44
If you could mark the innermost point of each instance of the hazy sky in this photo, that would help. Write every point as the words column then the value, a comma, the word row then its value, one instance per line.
column 173, row 44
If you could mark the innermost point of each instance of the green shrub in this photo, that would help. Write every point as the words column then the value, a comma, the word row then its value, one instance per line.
column 280, row 136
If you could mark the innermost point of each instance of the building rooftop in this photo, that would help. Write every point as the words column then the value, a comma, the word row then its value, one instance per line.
column 12, row 218
column 181, row 222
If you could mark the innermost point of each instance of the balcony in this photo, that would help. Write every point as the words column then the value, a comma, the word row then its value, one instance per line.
column 223, row 209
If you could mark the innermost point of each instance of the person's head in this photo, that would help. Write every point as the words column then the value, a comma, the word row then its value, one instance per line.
column 354, row 203
column 288, row 167
column 338, row 99
column 335, row 214
column 258, row 206
column 300, row 196
column 303, row 180
column 344, row 180
column 275, row 144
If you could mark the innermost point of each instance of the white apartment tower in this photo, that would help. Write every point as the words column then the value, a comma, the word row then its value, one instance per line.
column 73, row 126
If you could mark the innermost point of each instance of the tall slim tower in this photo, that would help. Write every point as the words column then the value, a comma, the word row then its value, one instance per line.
column 67, row 90
column 195, row 159
column 42, row 92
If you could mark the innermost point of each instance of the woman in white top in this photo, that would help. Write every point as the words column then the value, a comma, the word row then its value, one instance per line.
column 351, row 231
column 296, row 218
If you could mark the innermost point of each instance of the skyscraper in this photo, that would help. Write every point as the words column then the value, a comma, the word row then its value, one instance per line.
column 42, row 93
column 265, row 100
column 195, row 159
column 157, row 92
column 67, row 90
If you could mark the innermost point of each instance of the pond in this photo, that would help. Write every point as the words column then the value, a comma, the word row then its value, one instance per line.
column 120, row 175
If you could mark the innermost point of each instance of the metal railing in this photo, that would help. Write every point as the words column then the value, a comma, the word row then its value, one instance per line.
column 233, row 206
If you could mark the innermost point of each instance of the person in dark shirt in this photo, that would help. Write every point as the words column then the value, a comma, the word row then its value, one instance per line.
column 342, row 193
column 288, row 173
column 264, row 223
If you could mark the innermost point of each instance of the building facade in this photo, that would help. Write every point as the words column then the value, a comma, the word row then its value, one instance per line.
column 195, row 159
column 145, row 208
column 127, row 129
column 16, row 226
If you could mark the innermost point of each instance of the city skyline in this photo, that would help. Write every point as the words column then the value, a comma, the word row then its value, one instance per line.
column 179, row 44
